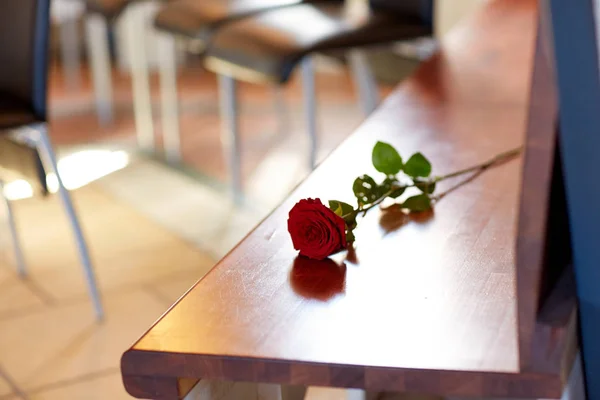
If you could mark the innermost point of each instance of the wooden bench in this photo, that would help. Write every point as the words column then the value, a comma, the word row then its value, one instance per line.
column 426, row 304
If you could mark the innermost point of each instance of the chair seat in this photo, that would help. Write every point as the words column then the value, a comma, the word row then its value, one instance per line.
column 197, row 19
column 15, row 113
column 267, row 46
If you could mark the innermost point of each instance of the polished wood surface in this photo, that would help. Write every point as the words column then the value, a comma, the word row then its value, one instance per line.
column 425, row 303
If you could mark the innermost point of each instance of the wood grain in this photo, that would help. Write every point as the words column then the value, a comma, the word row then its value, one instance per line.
column 425, row 303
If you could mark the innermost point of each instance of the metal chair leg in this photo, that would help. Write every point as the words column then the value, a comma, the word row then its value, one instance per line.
column 230, row 133
column 19, row 259
column 135, row 27
column 364, row 80
column 310, row 108
column 168, row 96
column 98, row 54
column 47, row 153
column 69, row 46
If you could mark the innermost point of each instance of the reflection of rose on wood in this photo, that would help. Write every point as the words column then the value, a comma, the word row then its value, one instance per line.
column 394, row 217
column 317, row 279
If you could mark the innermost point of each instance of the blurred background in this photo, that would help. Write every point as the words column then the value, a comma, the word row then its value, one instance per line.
column 168, row 166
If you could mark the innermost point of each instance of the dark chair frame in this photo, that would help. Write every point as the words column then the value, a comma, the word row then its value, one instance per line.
column 23, row 80
column 366, row 84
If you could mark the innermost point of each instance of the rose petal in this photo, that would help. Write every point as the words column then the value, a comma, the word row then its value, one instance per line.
column 316, row 231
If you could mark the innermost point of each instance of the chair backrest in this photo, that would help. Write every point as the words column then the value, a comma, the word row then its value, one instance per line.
column 24, row 31
column 418, row 9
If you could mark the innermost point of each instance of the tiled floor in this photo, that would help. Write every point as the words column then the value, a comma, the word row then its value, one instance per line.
column 131, row 249
column 100, row 387
column 153, row 230
column 5, row 388
column 58, row 352
column 22, row 294
column 50, row 344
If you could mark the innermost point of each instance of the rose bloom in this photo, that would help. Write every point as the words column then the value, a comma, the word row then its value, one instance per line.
column 316, row 231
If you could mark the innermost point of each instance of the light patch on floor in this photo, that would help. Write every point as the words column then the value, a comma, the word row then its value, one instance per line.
column 276, row 176
column 201, row 214
column 76, row 169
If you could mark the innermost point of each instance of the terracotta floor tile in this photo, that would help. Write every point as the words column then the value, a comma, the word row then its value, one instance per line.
column 5, row 389
column 100, row 388
column 127, row 249
column 18, row 295
column 66, row 343
column 172, row 289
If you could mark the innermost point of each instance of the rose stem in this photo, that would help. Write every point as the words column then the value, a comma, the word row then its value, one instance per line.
column 478, row 169
column 482, row 167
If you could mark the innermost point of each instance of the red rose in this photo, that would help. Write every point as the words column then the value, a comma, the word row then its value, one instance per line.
column 316, row 231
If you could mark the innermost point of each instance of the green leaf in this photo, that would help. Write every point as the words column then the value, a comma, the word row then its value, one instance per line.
column 421, row 202
column 390, row 183
column 397, row 192
column 417, row 165
column 366, row 190
column 340, row 208
column 386, row 159
column 345, row 211
column 350, row 220
column 425, row 186
column 387, row 184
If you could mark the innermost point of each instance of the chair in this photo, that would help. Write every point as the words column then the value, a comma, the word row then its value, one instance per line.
column 99, row 14
column 66, row 13
column 24, row 31
column 195, row 22
column 268, row 46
